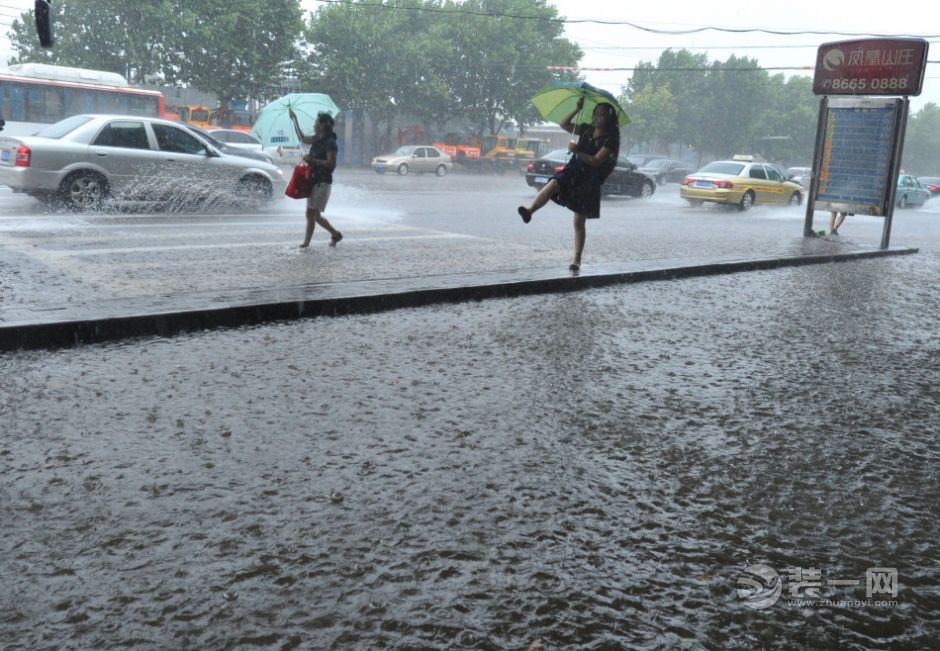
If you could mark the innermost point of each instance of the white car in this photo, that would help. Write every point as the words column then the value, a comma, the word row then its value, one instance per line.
column 84, row 159
column 237, row 139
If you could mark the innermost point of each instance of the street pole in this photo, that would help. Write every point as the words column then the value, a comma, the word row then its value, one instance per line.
column 895, row 166
column 817, row 163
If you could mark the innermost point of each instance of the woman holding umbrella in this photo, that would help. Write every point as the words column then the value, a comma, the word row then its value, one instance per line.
column 322, row 160
column 578, row 186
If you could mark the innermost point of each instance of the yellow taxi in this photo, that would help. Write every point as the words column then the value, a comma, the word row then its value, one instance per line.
column 742, row 182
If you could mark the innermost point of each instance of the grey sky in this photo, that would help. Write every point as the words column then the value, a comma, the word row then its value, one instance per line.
column 623, row 46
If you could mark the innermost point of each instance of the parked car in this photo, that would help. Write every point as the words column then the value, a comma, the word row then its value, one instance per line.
column 413, row 158
column 237, row 139
column 931, row 183
column 801, row 175
column 229, row 149
column 624, row 179
column 666, row 170
column 910, row 192
column 642, row 160
column 740, row 182
column 85, row 159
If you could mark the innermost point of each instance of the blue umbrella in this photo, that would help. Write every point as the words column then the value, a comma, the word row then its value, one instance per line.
column 273, row 126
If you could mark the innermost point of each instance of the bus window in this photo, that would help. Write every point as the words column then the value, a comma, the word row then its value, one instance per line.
column 142, row 105
column 35, row 103
column 55, row 106
column 109, row 103
column 14, row 93
column 199, row 115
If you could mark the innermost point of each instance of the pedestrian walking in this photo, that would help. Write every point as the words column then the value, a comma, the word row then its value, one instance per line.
column 835, row 221
column 322, row 161
column 578, row 185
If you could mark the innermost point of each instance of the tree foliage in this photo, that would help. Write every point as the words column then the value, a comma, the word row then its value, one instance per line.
column 922, row 142
column 111, row 35
column 393, row 60
column 233, row 48
column 722, row 108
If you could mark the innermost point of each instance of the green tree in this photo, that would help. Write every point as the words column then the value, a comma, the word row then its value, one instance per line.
column 684, row 74
column 922, row 142
column 653, row 115
column 383, row 60
column 234, row 48
column 787, row 125
column 395, row 60
column 500, row 62
column 113, row 35
column 734, row 103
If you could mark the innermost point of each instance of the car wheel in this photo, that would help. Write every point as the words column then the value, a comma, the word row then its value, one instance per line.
column 403, row 169
column 903, row 202
column 695, row 203
column 646, row 190
column 746, row 201
column 84, row 190
column 795, row 199
column 255, row 190
column 442, row 170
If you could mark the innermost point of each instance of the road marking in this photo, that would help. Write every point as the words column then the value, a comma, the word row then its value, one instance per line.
column 67, row 253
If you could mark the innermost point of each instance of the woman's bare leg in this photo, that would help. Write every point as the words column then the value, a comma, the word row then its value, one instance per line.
column 311, row 222
column 832, row 221
column 839, row 220
column 322, row 221
column 546, row 193
column 580, row 233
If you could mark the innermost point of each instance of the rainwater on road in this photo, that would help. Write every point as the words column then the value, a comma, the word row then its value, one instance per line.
column 595, row 469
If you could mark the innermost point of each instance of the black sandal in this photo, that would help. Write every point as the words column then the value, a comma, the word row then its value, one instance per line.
column 574, row 267
column 525, row 213
column 334, row 240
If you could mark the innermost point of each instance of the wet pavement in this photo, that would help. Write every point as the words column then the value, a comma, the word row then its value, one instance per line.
column 394, row 227
column 596, row 469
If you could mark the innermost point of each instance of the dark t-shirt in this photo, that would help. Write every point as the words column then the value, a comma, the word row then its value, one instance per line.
column 318, row 151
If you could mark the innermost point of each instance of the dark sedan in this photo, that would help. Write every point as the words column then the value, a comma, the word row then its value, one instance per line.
column 666, row 170
column 625, row 179
column 932, row 183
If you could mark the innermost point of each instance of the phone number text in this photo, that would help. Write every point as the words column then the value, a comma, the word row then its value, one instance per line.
column 888, row 83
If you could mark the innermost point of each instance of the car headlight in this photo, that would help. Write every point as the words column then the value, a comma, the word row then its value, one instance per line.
column 280, row 172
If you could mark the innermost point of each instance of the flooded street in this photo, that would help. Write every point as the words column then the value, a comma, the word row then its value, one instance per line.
column 595, row 469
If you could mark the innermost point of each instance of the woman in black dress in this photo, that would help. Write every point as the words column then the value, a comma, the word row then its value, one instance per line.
column 578, row 186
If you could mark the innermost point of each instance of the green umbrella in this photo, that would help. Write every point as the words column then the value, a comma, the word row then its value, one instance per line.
column 558, row 99
column 273, row 126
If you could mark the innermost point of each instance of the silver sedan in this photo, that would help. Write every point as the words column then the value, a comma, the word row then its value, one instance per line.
column 84, row 159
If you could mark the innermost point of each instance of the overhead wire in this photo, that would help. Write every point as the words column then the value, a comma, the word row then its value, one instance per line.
column 626, row 23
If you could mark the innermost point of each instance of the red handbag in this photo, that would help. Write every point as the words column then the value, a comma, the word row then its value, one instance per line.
column 301, row 183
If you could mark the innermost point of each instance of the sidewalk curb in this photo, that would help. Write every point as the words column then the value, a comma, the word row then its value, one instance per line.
column 263, row 306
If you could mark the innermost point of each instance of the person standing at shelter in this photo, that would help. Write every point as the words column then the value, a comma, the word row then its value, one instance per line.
column 578, row 186
column 322, row 160
column 835, row 221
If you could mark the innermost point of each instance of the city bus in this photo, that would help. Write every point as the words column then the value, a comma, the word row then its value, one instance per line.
column 35, row 94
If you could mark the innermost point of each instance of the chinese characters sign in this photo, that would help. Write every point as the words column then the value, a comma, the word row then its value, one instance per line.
column 872, row 66
column 856, row 155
